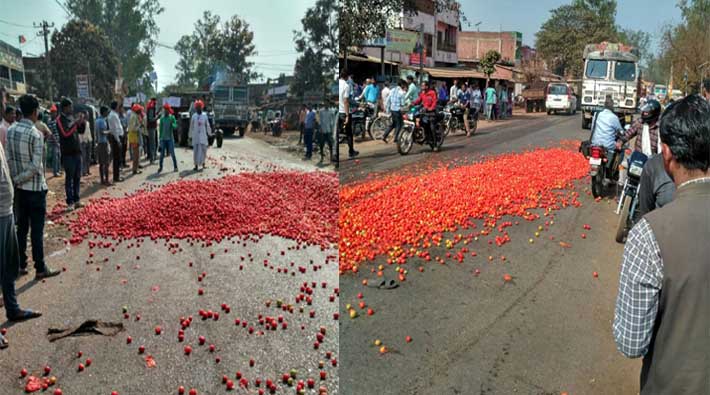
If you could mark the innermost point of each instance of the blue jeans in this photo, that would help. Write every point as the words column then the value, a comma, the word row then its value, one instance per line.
column 72, row 177
column 9, row 265
column 169, row 146
column 56, row 158
column 308, row 140
column 31, row 212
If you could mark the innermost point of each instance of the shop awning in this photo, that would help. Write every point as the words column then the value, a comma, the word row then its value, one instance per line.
column 460, row 72
column 366, row 58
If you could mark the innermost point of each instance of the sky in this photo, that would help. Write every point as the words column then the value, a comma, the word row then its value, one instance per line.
column 272, row 21
column 526, row 16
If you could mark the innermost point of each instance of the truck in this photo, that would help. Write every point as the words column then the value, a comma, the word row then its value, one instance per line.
column 610, row 69
column 231, row 105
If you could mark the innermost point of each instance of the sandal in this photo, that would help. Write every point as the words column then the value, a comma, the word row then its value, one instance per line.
column 3, row 343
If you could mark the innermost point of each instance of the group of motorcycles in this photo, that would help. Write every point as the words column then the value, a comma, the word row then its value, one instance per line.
column 605, row 170
column 367, row 122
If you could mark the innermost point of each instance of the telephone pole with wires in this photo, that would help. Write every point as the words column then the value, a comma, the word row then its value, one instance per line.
column 45, row 26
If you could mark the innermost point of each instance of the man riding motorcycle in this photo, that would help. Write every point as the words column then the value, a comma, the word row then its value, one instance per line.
column 648, row 138
column 605, row 126
column 428, row 99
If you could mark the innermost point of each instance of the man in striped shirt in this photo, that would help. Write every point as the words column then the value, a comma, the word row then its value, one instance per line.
column 25, row 149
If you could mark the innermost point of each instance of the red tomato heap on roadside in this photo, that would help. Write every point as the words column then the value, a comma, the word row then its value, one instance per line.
column 383, row 215
column 294, row 205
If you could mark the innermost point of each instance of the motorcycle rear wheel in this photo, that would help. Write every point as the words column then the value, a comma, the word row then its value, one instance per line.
column 405, row 141
column 598, row 183
column 622, row 228
column 379, row 125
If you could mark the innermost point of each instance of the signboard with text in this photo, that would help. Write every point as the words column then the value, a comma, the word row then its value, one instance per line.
column 415, row 60
column 401, row 40
column 82, row 86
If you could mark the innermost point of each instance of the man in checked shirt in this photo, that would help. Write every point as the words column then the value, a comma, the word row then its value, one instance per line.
column 663, row 307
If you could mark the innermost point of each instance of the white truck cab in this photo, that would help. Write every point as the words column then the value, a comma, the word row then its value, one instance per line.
column 610, row 69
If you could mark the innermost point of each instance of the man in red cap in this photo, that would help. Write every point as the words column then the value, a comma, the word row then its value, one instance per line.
column 167, row 124
column 199, row 130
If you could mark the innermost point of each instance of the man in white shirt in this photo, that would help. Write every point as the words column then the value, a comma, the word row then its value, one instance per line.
column 199, row 130
column 454, row 92
column 116, row 135
column 344, row 118
column 385, row 95
column 8, row 118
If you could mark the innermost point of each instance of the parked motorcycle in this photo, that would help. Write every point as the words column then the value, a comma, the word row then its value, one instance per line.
column 628, row 202
column 414, row 131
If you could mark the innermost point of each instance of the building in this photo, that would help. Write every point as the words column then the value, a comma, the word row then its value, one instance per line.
column 34, row 73
column 472, row 46
column 12, row 71
column 439, row 35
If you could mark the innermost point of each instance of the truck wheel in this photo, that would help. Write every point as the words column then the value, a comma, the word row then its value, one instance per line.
column 241, row 131
column 586, row 123
column 220, row 139
column 549, row 112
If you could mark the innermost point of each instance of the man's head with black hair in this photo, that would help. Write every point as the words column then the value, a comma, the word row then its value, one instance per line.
column 609, row 103
column 685, row 138
column 706, row 89
column 29, row 107
column 114, row 105
column 103, row 111
column 67, row 106
column 9, row 115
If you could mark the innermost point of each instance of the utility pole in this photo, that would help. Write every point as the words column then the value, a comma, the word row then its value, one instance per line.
column 421, row 53
column 45, row 26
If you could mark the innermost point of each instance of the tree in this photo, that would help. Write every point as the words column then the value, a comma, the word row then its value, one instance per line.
column 562, row 37
column 639, row 39
column 686, row 46
column 82, row 48
column 215, row 48
column 130, row 27
column 488, row 64
column 318, row 45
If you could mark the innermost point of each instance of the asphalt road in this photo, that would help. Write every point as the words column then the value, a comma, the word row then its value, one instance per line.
column 161, row 287
column 548, row 331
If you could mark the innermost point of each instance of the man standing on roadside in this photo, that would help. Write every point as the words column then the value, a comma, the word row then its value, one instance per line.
column 167, row 141
column 102, row 136
column 344, row 125
column 503, row 102
column 199, row 130
column 309, row 125
column 71, row 152
column 8, row 118
column 136, row 125
column 9, row 250
column 25, row 157
column 151, row 126
column 664, row 296
column 53, row 141
column 394, row 107
column 490, row 102
column 114, row 139
column 325, row 134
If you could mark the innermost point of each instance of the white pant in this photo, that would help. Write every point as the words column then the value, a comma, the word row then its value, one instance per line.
column 199, row 153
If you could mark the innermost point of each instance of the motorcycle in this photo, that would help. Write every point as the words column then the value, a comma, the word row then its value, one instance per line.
column 414, row 131
column 603, row 170
column 628, row 202
column 453, row 119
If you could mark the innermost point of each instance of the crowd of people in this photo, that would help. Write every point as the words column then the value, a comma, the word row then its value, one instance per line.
column 315, row 124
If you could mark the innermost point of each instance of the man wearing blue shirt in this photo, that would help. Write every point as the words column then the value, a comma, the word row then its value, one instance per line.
column 309, row 126
column 394, row 104
column 102, row 132
column 605, row 125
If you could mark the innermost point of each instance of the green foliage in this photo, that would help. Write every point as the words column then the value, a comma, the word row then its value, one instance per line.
column 82, row 48
column 562, row 37
column 215, row 47
column 639, row 39
column 130, row 27
column 488, row 63
column 686, row 46
column 317, row 44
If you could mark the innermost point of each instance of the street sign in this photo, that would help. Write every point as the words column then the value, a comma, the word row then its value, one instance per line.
column 82, row 86
column 401, row 40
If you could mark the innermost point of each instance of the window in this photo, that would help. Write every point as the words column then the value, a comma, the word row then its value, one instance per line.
column 17, row 76
column 221, row 94
column 597, row 68
column 625, row 71
column 439, row 39
column 4, row 72
column 557, row 89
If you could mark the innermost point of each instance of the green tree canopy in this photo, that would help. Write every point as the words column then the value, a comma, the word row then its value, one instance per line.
column 216, row 47
column 317, row 44
column 488, row 63
column 82, row 48
column 130, row 27
column 561, row 39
